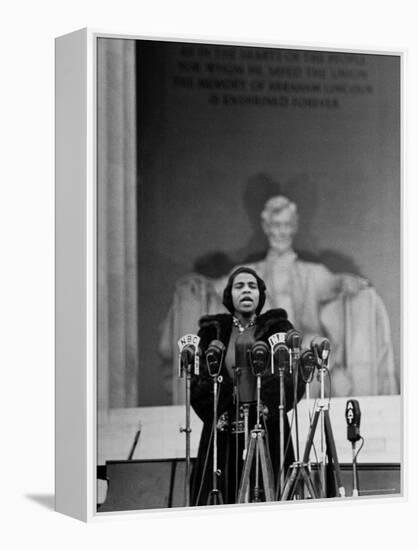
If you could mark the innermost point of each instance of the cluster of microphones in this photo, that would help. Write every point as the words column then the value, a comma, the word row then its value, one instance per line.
column 284, row 354
column 287, row 353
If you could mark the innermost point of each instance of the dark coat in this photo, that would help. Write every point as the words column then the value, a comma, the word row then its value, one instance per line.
column 230, row 446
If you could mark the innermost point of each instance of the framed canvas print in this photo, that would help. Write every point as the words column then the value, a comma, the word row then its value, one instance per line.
column 228, row 274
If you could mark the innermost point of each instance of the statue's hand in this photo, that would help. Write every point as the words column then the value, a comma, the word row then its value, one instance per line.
column 352, row 284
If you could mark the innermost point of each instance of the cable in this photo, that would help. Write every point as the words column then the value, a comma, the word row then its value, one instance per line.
column 266, row 428
column 355, row 471
column 360, row 448
column 206, row 457
column 204, row 469
column 286, row 448
column 310, row 425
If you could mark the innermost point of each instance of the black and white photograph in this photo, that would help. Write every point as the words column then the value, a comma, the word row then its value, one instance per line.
column 248, row 274
column 208, row 282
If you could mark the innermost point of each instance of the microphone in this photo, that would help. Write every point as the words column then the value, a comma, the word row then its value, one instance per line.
column 293, row 340
column 188, row 356
column 353, row 417
column 279, row 351
column 307, row 365
column 321, row 348
column 214, row 357
column 281, row 357
column 259, row 356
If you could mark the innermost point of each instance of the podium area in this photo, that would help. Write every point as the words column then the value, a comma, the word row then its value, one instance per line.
column 141, row 452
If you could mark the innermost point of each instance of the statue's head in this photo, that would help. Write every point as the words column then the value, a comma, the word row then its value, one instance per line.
column 280, row 223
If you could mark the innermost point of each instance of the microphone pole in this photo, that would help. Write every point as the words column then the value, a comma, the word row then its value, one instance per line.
column 293, row 340
column 257, row 447
column 244, row 391
column 307, row 370
column 188, row 361
column 321, row 349
column 280, row 356
column 324, row 360
column 214, row 358
column 353, row 416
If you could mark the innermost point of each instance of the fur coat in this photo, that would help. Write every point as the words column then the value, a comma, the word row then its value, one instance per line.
column 230, row 445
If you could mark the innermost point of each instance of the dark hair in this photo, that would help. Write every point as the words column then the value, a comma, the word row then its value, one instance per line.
column 227, row 297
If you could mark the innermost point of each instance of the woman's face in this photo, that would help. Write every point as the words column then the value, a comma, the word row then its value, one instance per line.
column 245, row 294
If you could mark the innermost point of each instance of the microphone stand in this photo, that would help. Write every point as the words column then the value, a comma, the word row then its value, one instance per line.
column 280, row 485
column 244, row 392
column 245, row 407
column 353, row 415
column 322, row 408
column 237, row 374
column 307, row 360
column 246, row 412
column 327, row 438
column 257, row 457
column 257, row 449
column 188, row 360
column 294, row 362
column 298, row 482
column 300, row 471
column 275, row 341
column 215, row 496
column 187, row 430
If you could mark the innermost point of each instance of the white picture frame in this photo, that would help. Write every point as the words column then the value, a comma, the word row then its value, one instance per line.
column 77, row 272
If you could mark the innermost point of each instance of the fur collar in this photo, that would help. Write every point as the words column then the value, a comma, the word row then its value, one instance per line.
column 272, row 315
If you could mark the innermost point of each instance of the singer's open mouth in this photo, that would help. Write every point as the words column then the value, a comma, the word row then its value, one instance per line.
column 246, row 300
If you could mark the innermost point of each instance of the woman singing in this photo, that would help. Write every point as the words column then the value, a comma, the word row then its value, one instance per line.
column 244, row 297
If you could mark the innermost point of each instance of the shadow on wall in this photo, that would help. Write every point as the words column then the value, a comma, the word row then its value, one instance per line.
column 258, row 190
